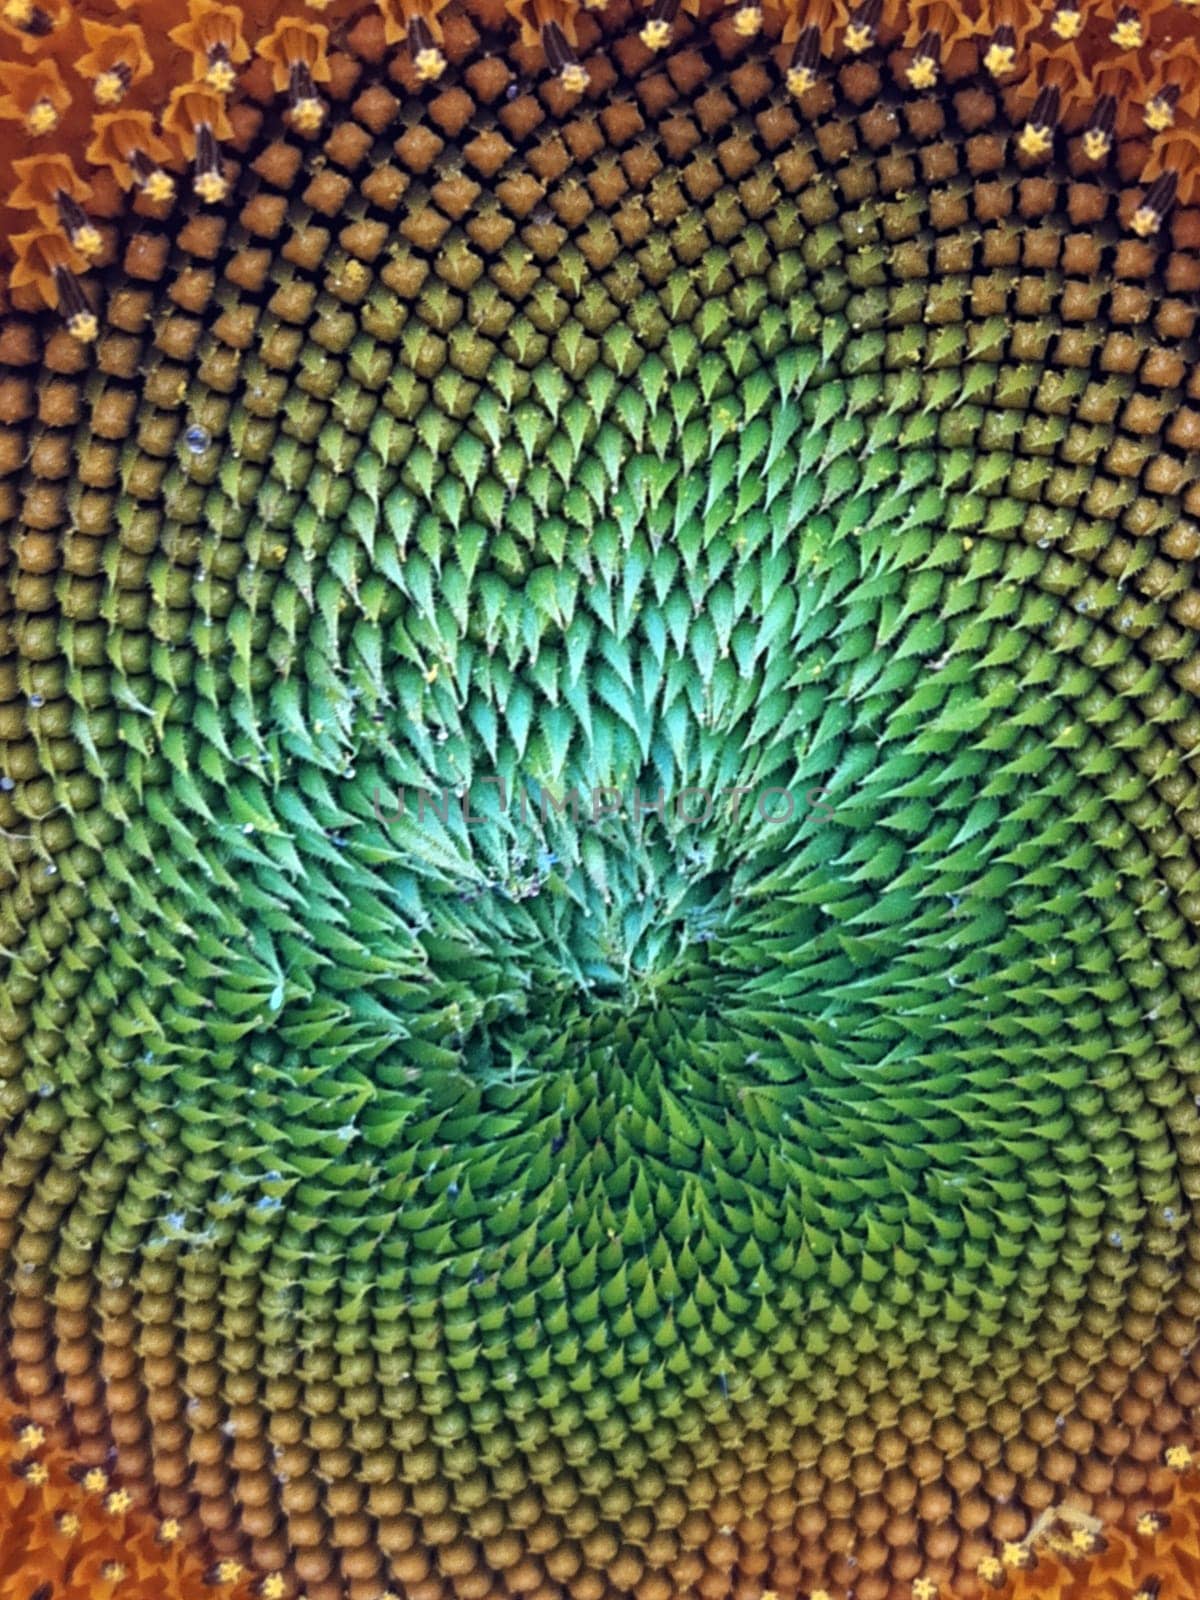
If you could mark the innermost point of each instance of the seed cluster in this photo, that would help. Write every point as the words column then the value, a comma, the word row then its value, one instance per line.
column 564, row 1209
column 134, row 102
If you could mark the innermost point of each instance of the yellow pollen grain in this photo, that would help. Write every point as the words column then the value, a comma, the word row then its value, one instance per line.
column 1035, row 141
column 1067, row 24
column 923, row 73
column 859, row 38
column 1159, row 115
column 800, row 80
column 211, row 187
column 109, row 89
column 308, row 114
column 430, row 65
column 87, row 241
column 69, row 1524
column 1096, row 144
column 1001, row 58
column 1127, row 35
column 1145, row 221
column 42, row 118
column 656, row 35
column 159, row 187
column 748, row 22
column 221, row 76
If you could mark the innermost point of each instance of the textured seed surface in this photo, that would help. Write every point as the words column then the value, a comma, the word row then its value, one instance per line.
column 562, row 1197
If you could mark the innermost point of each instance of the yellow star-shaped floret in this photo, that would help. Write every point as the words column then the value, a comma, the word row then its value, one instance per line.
column 42, row 118
column 1000, row 59
column 159, row 187
column 1067, row 24
column 430, row 64
column 211, row 187
column 922, row 72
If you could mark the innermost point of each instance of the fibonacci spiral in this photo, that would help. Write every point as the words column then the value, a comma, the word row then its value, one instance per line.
column 599, row 801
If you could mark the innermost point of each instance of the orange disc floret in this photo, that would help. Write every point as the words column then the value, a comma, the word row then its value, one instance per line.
column 126, row 144
column 49, row 186
column 197, row 119
column 551, row 23
column 656, row 32
column 297, row 54
column 1173, row 170
column 32, row 21
column 1010, row 22
column 806, row 59
column 116, row 59
column 1173, row 92
column 862, row 30
column 419, row 26
column 47, row 263
column 214, row 37
column 800, row 17
column 1127, row 26
column 1099, row 133
column 35, row 96
column 1055, row 63
column 951, row 22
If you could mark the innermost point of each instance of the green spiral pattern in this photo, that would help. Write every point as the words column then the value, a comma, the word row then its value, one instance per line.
column 586, row 1200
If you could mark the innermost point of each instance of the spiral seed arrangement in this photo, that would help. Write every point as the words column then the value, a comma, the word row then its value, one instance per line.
column 553, row 1205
